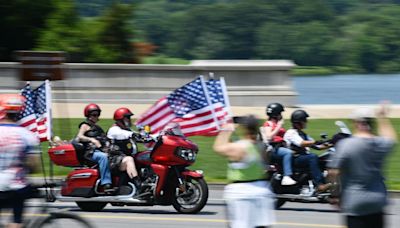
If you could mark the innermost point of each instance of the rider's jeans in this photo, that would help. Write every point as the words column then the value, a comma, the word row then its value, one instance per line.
column 102, row 159
column 310, row 161
column 286, row 155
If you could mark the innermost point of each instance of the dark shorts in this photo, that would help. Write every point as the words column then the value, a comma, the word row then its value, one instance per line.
column 366, row 221
column 15, row 200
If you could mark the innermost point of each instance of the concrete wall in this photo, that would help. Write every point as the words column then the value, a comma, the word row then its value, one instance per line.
column 250, row 83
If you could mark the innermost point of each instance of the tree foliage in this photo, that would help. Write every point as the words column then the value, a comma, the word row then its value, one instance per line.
column 358, row 34
column 20, row 23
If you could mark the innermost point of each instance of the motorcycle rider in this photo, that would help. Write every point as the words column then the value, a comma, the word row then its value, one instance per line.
column 16, row 145
column 298, row 141
column 273, row 131
column 91, row 133
column 123, row 147
column 249, row 198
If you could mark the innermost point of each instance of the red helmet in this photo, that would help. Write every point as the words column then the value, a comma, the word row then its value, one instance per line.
column 120, row 113
column 91, row 108
column 11, row 104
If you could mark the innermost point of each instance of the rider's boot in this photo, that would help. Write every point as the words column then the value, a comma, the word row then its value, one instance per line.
column 138, row 183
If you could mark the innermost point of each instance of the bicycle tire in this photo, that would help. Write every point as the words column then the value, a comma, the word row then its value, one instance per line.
column 43, row 222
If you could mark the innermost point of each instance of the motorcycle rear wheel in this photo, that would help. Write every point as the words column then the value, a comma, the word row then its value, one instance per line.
column 91, row 206
column 193, row 199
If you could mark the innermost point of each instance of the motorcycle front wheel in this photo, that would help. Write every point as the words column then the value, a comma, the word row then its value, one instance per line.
column 193, row 199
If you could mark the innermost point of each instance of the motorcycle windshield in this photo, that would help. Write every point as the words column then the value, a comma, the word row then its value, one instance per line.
column 173, row 129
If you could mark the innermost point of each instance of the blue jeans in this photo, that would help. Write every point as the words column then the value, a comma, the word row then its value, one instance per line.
column 286, row 155
column 102, row 159
column 310, row 162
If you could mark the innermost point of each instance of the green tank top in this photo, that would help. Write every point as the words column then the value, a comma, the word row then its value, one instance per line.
column 250, row 168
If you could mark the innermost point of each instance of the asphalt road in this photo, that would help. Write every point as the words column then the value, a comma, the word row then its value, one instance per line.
column 213, row 215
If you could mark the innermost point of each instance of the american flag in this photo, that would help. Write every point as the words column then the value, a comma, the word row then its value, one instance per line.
column 27, row 118
column 198, row 107
column 35, row 117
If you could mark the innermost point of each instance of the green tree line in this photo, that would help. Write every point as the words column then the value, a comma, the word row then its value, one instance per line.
column 361, row 35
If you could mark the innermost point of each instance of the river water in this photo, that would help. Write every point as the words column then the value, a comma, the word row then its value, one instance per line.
column 347, row 89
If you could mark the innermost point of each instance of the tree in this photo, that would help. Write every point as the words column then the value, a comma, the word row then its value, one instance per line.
column 62, row 31
column 116, row 34
column 20, row 23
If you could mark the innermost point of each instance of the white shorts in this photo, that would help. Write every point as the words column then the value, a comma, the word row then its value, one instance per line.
column 249, row 204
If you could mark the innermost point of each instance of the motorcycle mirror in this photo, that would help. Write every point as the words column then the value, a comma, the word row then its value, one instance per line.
column 343, row 127
column 324, row 135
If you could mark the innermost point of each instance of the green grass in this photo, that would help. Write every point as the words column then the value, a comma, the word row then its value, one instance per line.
column 214, row 166
column 323, row 70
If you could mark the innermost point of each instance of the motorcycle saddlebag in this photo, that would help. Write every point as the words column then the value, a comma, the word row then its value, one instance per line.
column 80, row 182
column 64, row 155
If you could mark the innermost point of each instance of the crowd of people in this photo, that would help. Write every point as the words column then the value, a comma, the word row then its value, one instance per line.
column 355, row 178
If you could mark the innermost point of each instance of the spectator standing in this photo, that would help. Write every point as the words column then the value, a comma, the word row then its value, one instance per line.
column 248, row 197
column 357, row 166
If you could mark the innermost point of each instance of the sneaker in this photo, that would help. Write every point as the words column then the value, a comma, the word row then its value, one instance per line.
column 287, row 180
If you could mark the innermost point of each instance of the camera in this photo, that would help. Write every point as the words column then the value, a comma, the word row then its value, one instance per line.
column 239, row 119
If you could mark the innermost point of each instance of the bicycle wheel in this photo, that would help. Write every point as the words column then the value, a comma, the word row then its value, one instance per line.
column 61, row 220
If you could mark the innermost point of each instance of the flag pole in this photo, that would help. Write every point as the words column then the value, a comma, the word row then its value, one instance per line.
column 49, row 122
column 203, row 83
column 226, row 98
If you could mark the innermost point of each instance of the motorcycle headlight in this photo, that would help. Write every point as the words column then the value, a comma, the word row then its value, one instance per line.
column 186, row 154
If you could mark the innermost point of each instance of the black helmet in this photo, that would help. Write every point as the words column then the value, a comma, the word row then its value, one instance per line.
column 274, row 109
column 299, row 116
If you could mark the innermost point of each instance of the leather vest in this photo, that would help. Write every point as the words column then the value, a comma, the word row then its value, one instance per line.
column 95, row 131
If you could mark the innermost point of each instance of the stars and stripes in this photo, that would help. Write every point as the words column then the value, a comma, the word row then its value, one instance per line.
column 35, row 116
column 198, row 107
column 27, row 118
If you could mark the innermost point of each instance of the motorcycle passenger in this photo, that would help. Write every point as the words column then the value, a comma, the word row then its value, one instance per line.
column 249, row 198
column 298, row 141
column 274, row 132
column 91, row 133
column 123, row 146
column 16, row 145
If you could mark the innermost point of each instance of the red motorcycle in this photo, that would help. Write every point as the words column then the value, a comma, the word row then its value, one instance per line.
column 162, row 170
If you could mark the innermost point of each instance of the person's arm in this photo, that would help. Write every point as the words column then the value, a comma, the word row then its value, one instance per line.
column 293, row 137
column 385, row 127
column 222, row 145
column 82, row 138
column 270, row 133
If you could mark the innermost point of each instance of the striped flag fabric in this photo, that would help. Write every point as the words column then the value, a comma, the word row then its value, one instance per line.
column 36, row 115
column 27, row 118
column 198, row 107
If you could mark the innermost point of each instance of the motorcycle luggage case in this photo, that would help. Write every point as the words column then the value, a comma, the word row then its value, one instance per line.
column 64, row 155
column 80, row 183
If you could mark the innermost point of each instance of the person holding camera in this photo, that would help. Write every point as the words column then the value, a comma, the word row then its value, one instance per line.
column 248, row 197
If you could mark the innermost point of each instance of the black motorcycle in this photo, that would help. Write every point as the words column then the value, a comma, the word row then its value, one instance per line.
column 304, row 190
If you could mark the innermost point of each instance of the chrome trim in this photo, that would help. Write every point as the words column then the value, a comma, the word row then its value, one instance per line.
column 59, row 152
column 81, row 175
